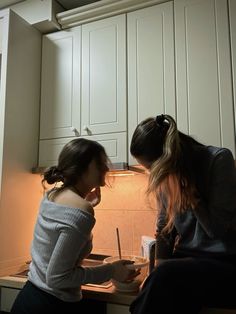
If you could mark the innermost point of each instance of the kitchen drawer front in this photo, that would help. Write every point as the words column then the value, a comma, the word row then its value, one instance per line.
column 115, row 145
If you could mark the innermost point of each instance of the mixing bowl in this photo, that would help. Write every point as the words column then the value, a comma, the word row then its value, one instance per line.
column 139, row 262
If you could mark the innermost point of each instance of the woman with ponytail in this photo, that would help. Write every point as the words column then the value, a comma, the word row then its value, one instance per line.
column 63, row 238
column 195, row 187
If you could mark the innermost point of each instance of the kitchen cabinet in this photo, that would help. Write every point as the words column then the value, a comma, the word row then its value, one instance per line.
column 19, row 95
column 117, row 309
column 20, row 60
column 1, row 34
column 151, row 72
column 178, row 62
column 84, row 94
column 203, row 71
column 114, row 144
column 198, row 91
column 8, row 296
column 60, row 91
column 116, row 303
column 103, row 106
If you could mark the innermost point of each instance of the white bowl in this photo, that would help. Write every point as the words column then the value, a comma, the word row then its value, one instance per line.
column 139, row 261
column 127, row 286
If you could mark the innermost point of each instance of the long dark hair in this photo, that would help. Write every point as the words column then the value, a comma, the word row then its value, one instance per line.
column 158, row 141
column 73, row 161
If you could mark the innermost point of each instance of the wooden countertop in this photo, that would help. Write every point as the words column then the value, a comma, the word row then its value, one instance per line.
column 108, row 295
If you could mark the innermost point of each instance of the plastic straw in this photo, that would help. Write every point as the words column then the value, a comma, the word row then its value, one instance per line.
column 118, row 242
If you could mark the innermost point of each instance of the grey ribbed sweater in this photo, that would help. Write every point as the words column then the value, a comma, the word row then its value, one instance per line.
column 62, row 239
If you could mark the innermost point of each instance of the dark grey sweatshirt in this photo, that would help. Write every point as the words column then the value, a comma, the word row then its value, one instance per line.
column 209, row 229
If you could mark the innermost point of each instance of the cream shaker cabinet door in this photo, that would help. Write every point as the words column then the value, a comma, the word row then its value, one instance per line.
column 151, row 81
column 114, row 144
column 104, row 76
column 60, row 92
column 203, row 71
column 1, row 36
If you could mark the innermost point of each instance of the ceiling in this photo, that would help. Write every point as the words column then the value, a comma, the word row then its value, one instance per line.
column 66, row 4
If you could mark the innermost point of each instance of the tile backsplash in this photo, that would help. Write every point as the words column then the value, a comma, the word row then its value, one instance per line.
column 123, row 205
column 126, row 206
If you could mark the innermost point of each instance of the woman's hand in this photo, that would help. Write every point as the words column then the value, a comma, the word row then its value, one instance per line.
column 122, row 273
column 94, row 196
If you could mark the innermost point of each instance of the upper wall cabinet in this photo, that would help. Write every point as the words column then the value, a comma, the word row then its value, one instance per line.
column 114, row 144
column 203, row 71
column 151, row 74
column 100, row 82
column 60, row 96
column 178, row 63
column 1, row 34
column 104, row 76
column 20, row 61
column 84, row 89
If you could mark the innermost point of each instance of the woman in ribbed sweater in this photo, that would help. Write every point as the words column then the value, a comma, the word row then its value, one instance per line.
column 195, row 186
column 62, row 235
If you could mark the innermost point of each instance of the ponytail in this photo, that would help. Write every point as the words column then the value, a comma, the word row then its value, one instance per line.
column 166, row 163
column 157, row 140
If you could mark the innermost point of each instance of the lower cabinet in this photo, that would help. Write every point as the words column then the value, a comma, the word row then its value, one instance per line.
column 117, row 309
column 8, row 296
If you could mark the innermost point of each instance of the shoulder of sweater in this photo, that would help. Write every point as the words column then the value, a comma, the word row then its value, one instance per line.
column 73, row 200
column 66, row 215
column 216, row 151
column 211, row 154
column 221, row 162
column 221, row 155
column 87, row 207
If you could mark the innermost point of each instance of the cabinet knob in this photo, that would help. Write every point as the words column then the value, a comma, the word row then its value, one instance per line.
column 75, row 131
column 86, row 129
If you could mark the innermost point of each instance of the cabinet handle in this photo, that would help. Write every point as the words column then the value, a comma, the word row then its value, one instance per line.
column 86, row 129
column 75, row 131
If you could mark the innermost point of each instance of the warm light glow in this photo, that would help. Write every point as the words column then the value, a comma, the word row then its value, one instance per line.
column 121, row 173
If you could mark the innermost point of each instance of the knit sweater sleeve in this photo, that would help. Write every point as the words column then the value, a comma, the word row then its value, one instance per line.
column 217, row 215
column 62, row 271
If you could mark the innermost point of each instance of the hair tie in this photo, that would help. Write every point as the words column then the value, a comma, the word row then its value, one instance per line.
column 57, row 173
column 160, row 119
